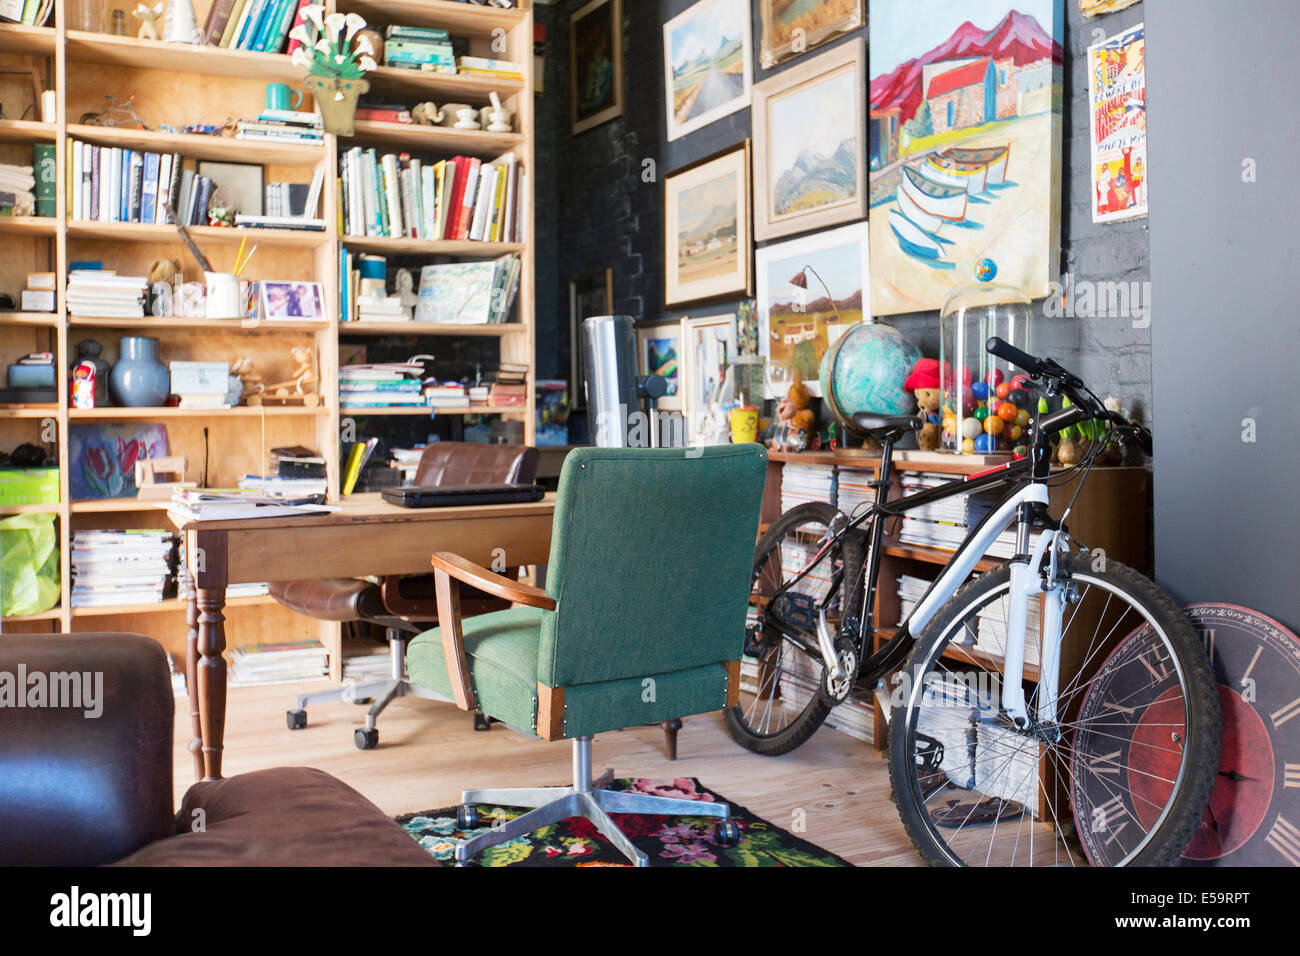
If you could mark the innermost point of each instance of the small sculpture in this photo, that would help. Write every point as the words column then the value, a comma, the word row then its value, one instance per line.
column 242, row 369
column 406, row 288
column 923, row 383
column 426, row 114
column 147, row 17
column 164, row 270
column 795, row 420
column 300, row 389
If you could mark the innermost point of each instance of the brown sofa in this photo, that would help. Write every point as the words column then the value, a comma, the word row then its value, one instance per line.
column 86, row 775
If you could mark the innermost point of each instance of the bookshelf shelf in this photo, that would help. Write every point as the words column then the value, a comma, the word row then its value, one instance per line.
column 43, row 226
column 203, row 235
column 28, row 411
column 29, row 41
column 29, row 318
column 200, row 147
column 463, row 18
column 398, row 246
column 430, row 328
column 163, row 413
column 425, row 411
column 88, row 506
column 53, row 614
column 435, row 138
column 26, row 131
column 419, row 83
column 165, row 606
column 48, row 508
column 138, row 54
column 174, row 324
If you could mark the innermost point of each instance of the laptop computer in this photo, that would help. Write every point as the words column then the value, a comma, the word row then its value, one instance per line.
column 456, row 496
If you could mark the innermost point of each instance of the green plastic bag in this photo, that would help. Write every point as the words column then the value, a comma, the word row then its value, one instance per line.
column 29, row 564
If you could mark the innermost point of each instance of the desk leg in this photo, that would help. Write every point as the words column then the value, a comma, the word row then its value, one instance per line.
column 212, row 677
column 192, row 676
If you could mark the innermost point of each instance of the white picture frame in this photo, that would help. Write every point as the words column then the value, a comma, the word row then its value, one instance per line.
column 701, row 86
column 708, row 349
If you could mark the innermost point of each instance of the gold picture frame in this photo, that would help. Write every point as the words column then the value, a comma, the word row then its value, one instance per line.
column 708, row 233
column 805, row 119
column 596, row 64
column 827, row 20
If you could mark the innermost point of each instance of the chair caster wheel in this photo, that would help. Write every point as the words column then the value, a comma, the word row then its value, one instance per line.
column 727, row 833
column 295, row 719
column 467, row 818
column 483, row 721
column 366, row 739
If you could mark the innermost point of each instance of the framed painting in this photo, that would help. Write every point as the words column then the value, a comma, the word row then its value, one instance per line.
column 101, row 458
column 793, row 27
column 965, row 140
column 596, row 64
column 590, row 294
column 810, row 291
column 659, row 352
column 708, row 244
column 708, row 351
column 242, row 185
column 708, row 61
column 810, row 136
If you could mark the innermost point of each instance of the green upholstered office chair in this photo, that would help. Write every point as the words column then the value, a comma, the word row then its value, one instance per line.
column 642, row 620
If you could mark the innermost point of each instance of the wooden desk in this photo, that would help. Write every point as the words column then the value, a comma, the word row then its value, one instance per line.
column 366, row 536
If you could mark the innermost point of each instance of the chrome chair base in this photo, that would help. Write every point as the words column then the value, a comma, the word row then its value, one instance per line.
column 585, row 798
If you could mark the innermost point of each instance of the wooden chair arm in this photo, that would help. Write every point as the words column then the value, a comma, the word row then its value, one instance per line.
column 446, row 563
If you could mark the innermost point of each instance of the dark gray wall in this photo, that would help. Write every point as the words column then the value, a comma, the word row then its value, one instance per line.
column 1224, row 334
column 605, row 215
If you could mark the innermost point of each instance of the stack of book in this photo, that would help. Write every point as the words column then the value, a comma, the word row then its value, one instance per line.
column 799, row 682
column 283, row 126
column 950, row 712
column 479, row 292
column 804, row 483
column 407, row 460
column 462, row 198
column 184, row 591
column 384, row 113
column 278, row 486
column 111, row 568
column 32, row 13
column 380, row 386
column 17, row 190
column 365, row 661
column 297, row 462
column 1005, row 766
column 261, row 25
column 509, row 387
column 31, row 380
column 41, row 291
column 419, row 48
column 853, row 491
column 386, row 308
column 104, row 294
column 447, row 396
column 483, row 66
column 287, row 663
column 910, row 591
column 237, row 504
column 945, row 524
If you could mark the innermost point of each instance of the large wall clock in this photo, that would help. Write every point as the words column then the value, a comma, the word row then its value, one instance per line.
column 1254, row 814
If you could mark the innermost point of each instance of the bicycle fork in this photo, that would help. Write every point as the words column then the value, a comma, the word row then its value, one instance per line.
column 1026, row 584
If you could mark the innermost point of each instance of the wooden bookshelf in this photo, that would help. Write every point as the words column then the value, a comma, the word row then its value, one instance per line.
column 179, row 84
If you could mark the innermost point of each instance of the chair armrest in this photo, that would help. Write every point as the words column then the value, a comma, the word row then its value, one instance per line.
column 449, row 570
column 412, row 609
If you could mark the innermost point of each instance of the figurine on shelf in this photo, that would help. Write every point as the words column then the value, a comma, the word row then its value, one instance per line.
column 300, row 389
column 715, row 427
column 147, row 17
column 923, row 383
column 251, row 382
column 426, row 114
column 795, row 421
column 221, row 213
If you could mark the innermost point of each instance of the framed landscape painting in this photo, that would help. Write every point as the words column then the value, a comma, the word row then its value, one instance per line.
column 810, row 136
column 793, row 27
column 707, row 237
column 596, row 64
column 966, row 107
column 708, row 61
column 810, row 291
column 659, row 352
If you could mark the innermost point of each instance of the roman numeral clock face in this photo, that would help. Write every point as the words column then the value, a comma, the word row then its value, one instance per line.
column 1254, row 814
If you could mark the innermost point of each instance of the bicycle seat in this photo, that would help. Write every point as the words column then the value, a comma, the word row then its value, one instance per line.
column 881, row 427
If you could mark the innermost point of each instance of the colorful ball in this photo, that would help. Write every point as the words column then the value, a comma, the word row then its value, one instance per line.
column 984, row 443
column 994, row 377
column 986, row 270
column 994, row 425
column 981, row 413
column 1020, row 451
column 980, row 390
column 968, row 445
column 970, row 427
column 1023, row 416
column 1007, row 411
column 1015, row 431
column 1004, row 389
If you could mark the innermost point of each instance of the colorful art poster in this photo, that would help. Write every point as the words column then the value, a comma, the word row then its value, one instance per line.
column 102, row 458
column 964, row 142
column 1117, row 98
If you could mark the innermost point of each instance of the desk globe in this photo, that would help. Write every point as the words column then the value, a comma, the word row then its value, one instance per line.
column 864, row 371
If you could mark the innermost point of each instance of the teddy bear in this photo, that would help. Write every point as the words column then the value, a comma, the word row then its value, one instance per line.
column 794, row 426
column 923, row 383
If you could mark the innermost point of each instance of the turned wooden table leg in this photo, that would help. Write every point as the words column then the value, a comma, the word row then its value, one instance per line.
column 209, row 567
column 670, row 736
column 192, row 676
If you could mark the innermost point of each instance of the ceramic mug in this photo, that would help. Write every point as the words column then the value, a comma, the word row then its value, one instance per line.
column 449, row 117
column 744, row 424
column 280, row 97
column 223, row 295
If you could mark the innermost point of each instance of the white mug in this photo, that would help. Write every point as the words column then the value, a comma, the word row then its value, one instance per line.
column 49, row 106
column 223, row 295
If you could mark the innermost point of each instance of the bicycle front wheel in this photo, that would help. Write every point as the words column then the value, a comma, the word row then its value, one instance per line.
column 1120, row 777
column 783, row 694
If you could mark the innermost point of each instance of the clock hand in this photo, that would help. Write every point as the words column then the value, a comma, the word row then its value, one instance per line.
column 1234, row 776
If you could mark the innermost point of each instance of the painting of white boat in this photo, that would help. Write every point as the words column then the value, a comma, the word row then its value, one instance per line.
column 934, row 199
column 916, row 214
column 994, row 158
column 969, row 176
column 913, row 239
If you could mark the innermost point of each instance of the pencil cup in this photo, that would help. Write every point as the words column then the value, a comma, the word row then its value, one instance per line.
column 223, row 295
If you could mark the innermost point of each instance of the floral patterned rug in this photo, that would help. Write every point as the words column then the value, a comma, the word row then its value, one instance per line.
column 667, row 841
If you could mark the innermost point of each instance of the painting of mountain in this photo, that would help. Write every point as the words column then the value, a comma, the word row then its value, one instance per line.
column 707, row 64
column 964, row 146
column 708, row 243
column 792, row 27
column 707, row 233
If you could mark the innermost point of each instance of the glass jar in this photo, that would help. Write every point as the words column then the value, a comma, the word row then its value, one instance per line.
column 86, row 15
column 985, row 408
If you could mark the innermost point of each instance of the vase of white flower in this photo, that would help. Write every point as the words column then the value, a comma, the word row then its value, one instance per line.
column 336, row 65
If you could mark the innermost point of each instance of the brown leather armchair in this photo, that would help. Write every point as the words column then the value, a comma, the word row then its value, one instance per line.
column 403, row 605
column 86, row 779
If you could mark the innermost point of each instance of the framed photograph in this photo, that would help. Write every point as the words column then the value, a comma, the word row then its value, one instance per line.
column 810, row 136
column 708, row 61
column 708, row 243
column 811, row 290
column 291, row 300
column 241, row 185
column 590, row 294
column 708, row 351
column 792, row 29
column 596, row 64
column 659, row 351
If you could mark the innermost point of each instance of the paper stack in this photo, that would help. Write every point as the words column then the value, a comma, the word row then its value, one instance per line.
column 803, row 483
column 286, row 663
column 107, row 295
column 121, row 567
column 381, row 386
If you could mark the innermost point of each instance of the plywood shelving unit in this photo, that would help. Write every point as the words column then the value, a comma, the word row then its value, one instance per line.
column 177, row 85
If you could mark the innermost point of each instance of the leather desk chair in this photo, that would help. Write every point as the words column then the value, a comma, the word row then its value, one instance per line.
column 403, row 605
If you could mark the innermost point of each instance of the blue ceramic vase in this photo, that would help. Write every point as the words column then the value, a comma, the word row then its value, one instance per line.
column 139, row 380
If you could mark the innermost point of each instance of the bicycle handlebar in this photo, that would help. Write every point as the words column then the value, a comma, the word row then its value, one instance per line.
column 1004, row 350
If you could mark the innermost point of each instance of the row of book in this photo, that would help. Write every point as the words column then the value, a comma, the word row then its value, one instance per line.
column 455, row 199
column 419, row 48
column 115, row 184
column 944, row 524
column 31, row 13
column 260, row 25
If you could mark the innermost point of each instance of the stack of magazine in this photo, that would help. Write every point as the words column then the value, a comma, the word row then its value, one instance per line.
column 287, row 663
column 121, row 567
column 237, row 504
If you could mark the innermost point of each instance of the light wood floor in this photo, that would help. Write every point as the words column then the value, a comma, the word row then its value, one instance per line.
column 428, row 752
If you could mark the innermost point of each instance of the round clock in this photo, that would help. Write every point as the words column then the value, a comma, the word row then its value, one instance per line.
column 1254, row 813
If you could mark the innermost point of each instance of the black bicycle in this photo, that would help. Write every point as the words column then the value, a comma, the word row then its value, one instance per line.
column 1058, row 709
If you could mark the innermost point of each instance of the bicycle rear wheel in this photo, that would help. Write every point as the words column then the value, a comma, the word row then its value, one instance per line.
column 783, row 694
column 1121, row 778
